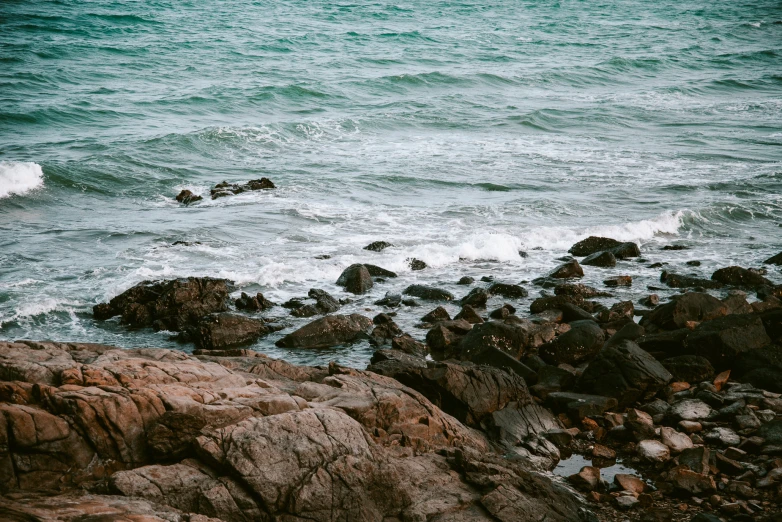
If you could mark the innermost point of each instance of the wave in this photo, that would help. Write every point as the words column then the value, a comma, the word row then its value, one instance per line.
column 17, row 178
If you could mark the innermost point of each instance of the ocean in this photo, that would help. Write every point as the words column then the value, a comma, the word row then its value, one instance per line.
column 463, row 132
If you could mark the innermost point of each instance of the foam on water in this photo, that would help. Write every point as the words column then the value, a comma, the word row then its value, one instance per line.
column 19, row 177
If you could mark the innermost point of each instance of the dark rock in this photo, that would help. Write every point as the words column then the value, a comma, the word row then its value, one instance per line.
column 580, row 343
column 466, row 280
column 552, row 379
column 186, row 197
column 229, row 189
column 324, row 302
column 378, row 246
column 579, row 290
column 382, row 319
column 547, row 303
column 503, row 312
column 256, row 303
column 331, row 330
column 761, row 368
column 428, row 293
column 693, row 263
column 571, row 312
column 650, row 300
column 376, row 271
column 260, row 184
column 506, row 338
column 724, row 339
column 416, row 264
column 689, row 368
column 774, row 260
column 579, row 405
column 390, row 300
column 617, row 312
column 168, row 305
column 408, row 345
column 682, row 281
column 692, row 306
column 626, row 372
column 603, row 259
column 569, row 270
column 593, row 244
column 629, row 332
column 618, row 281
column 675, row 247
column 741, row 277
column 626, row 250
column 772, row 432
column 356, row 279
column 294, row 302
column 477, row 298
column 508, row 291
column 445, row 337
column 469, row 314
column 436, row 315
column 737, row 304
column 384, row 333
column 225, row 330
column 665, row 343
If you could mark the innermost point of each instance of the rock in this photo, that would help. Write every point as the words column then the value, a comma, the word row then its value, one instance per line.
column 626, row 250
column 186, row 197
column 260, row 184
column 331, row 330
column 579, row 290
column 172, row 436
column 771, row 432
column 226, row 330
column 603, row 452
column 692, row 306
column 690, row 410
column 324, row 302
column 737, row 304
column 355, row 279
column 436, row 315
column 376, row 271
column 723, row 436
column 508, row 291
column 571, row 313
column 624, row 371
column 378, row 246
column 428, row 293
column 587, row 479
column 581, row 342
column 626, row 502
column 630, row 483
column 664, row 343
column 466, row 280
column 228, row 189
column 603, row 259
column 618, row 281
column 677, row 442
column 728, row 466
column 469, row 314
column 640, row 423
column 253, row 304
column 416, row 264
column 559, row 437
column 619, row 312
column 629, row 332
column 741, row 277
column 390, row 300
column 506, row 338
column 653, row 450
column 548, row 303
column 682, row 281
column 569, row 270
column 444, row 338
column 691, row 482
column 579, row 405
column 593, row 244
column 650, row 301
column 774, row 260
column 476, row 298
column 168, row 305
column 689, row 368
column 722, row 340
column 762, row 368
column 408, row 345
column 503, row 312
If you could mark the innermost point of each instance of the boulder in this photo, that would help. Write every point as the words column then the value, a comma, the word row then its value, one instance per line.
column 378, row 246
column 689, row 368
column 542, row 304
column 587, row 479
column 626, row 250
column 168, row 305
column 618, row 281
column 466, row 280
column 226, row 330
column 331, row 330
column 740, row 277
column 436, row 315
column 593, row 244
column 568, row 270
column 186, row 197
column 724, row 339
column 508, row 291
column 690, row 410
column 676, row 442
column 579, row 290
column 774, row 260
column 682, row 281
column 416, row 264
column 355, row 279
column 571, row 313
column 626, row 372
column 582, row 342
column 469, row 314
column 407, row 344
column 377, row 271
column 506, row 338
column 253, row 303
column 229, row 189
column 428, row 293
column 476, row 298
column 443, row 339
column 603, row 259
column 653, row 450
column 692, row 306
column 762, row 368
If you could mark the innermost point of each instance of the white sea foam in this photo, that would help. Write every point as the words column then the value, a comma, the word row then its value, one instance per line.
column 19, row 177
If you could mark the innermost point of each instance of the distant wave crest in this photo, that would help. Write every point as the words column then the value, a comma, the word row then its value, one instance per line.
column 19, row 177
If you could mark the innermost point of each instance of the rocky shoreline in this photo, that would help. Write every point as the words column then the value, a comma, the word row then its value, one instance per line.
column 466, row 424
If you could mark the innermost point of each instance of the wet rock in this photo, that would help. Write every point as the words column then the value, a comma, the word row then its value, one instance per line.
column 774, row 260
column 603, row 259
column 664, row 343
column 579, row 290
column 629, row 332
column 229, row 189
column 618, row 281
column 376, row 271
column 728, row 466
column 504, row 337
column 681, row 281
column 579, row 405
column 436, row 315
column 650, row 301
column 428, row 293
column 508, row 291
column 593, row 244
column 469, row 314
column 676, row 442
column 186, row 197
column 626, row 372
column 378, row 246
column 723, row 339
column 552, row 379
column 445, row 337
column 696, row 459
column 568, row 270
column 548, row 303
column 587, row 479
column 653, row 450
column 477, row 298
column 168, row 305
column 356, row 279
column 762, row 368
column 689, row 368
column 626, row 250
column 390, row 300
column 622, row 311
column 692, row 306
column 466, row 280
column 503, row 312
column 331, row 330
column 629, row 483
column 324, row 302
column 626, row 502
column 226, row 330
column 571, row 313
column 408, row 345
column 416, row 264
column 772, row 432
column 253, row 303
column 737, row 304
column 741, row 277
column 691, row 482
column 583, row 341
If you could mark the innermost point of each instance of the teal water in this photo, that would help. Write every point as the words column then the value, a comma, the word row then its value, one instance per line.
column 462, row 132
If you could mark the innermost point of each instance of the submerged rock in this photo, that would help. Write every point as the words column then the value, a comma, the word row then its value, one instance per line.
column 253, row 303
column 186, row 197
column 378, row 246
column 428, row 293
column 229, row 189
